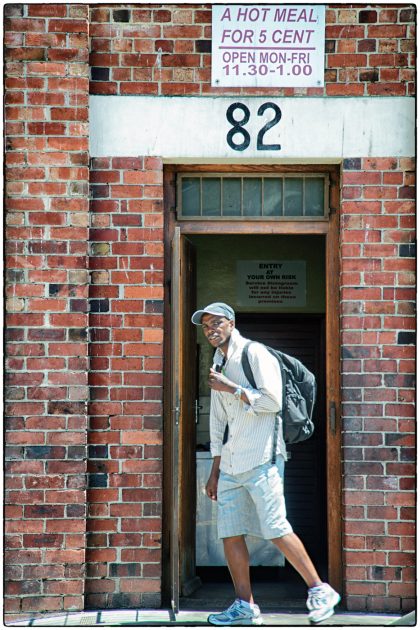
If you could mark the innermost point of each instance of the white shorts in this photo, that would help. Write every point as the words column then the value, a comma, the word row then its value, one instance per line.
column 253, row 503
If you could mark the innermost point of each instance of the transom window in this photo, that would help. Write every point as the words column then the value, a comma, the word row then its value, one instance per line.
column 242, row 196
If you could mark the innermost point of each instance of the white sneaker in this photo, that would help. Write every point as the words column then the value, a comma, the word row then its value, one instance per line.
column 237, row 615
column 321, row 601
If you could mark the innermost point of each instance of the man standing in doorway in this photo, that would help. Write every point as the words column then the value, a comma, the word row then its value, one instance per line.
column 247, row 486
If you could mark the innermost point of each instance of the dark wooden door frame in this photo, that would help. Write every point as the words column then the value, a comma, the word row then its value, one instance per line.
column 330, row 229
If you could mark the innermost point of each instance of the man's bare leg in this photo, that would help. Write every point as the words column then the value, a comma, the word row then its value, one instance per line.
column 237, row 556
column 294, row 551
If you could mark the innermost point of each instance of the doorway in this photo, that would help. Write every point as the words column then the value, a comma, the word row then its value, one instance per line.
column 203, row 267
column 301, row 336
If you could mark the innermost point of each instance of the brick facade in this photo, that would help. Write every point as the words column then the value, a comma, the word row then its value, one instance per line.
column 166, row 50
column 47, row 220
column 378, row 380
column 84, row 385
column 125, row 437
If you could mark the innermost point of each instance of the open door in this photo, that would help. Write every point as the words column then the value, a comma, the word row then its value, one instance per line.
column 183, row 396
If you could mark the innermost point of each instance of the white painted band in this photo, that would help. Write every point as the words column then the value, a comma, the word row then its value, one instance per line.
column 195, row 128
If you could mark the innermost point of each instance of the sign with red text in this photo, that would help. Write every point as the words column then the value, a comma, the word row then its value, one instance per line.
column 268, row 45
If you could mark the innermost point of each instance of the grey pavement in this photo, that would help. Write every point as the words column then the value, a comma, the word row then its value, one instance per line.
column 150, row 618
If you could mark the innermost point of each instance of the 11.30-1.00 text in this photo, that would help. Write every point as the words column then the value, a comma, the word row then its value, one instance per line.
column 263, row 69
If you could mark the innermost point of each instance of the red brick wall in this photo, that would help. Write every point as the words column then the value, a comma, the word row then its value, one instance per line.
column 125, row 438
column 46, row 200
column 166, row 50
column 378, row 336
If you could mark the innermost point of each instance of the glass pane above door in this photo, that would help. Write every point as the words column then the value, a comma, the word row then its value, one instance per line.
column 253, row 197
column 210, row 195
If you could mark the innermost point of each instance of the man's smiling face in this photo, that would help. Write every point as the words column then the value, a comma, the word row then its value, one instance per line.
column 217, row 329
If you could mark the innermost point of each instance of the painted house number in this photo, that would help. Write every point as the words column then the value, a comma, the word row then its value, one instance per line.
column 239, row 121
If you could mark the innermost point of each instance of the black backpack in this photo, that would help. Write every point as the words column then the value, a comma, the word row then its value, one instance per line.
column 299, row 392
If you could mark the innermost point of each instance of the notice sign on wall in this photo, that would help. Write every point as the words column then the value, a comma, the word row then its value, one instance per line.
column 271, row 283
column 268, row 45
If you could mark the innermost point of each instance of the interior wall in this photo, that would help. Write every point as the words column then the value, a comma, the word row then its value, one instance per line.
column 216, row 267
column 216, row 282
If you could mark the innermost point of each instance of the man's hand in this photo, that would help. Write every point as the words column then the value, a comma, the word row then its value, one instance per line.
column 211, row 487
column 220, row 383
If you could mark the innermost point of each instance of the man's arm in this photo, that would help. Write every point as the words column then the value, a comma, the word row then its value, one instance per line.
column 220, row 383
column 217, row 424
column 217, row 429
column 268, row 393
column 267, row 396
column 211, row 485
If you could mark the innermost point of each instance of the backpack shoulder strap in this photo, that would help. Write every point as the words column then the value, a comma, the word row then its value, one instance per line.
column 250, row 378
column 246, row 365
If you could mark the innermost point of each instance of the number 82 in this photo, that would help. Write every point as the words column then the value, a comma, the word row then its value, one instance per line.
column 238, row 127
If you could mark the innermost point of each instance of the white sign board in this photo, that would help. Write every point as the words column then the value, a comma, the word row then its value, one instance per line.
column 197, row 129
column 271, row 282
column 268, row 45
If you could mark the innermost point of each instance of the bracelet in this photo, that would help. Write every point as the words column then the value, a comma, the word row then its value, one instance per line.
column 238, row 393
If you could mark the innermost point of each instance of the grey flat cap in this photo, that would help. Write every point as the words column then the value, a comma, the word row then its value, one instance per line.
column 216, row 308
